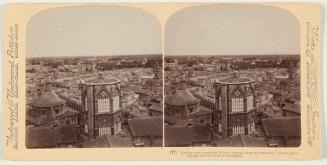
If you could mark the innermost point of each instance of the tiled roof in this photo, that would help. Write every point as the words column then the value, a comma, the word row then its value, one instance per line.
column 140, row 91
column 279, row 127
column 156, row 107
column 182, row 136
column 292, row 107
column 151, row 126
column 201, row 112
column 181, row 98
column 68, row 113
column 40, row 137
column 47, row 99
column 45, row 137
column 66, row 134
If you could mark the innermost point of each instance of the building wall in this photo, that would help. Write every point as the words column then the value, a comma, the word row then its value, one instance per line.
column 103, row 105
column 236, row 103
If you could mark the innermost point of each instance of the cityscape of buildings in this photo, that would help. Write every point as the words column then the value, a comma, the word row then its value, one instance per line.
column 94, row 101
column 232, row 101
column 213, row 101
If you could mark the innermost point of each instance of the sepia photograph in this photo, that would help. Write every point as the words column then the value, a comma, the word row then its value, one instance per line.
column 232, row 77
column 94, row 78
column 162, row 81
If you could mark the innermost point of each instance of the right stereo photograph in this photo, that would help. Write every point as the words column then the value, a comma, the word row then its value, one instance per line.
column 232, row 77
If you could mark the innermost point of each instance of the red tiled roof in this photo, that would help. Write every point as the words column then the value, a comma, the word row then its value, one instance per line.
column 279, row 127
column 141, row 127
column 181, row 136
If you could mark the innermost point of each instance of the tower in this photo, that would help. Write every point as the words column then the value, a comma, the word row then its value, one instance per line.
column 101, row 105
column 156, row 71
column 235, row 106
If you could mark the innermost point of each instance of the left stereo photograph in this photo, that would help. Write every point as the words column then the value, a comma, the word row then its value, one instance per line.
column 94, row 78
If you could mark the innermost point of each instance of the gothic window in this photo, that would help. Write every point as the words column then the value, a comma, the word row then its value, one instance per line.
column 238, row 128
column 116, row 103
column 103, row 93
column 249, row 99
column 237, row 101
column 103, row 101
column 104, row 130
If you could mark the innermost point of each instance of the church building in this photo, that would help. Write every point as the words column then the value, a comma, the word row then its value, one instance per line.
column 101, row 105
column 235, row 108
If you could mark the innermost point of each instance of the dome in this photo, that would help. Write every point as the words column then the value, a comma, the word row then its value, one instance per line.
column 181, row 98
column 48, row 99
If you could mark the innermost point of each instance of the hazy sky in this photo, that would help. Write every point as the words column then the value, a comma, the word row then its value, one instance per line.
column 232, row 29
column 93, row 30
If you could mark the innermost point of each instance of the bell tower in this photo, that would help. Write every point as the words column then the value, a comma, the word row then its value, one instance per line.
column 101, row 106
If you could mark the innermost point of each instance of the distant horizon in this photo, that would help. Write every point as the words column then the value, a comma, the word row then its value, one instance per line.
column 90, row 56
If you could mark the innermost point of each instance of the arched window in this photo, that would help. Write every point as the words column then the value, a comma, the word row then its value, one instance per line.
column 104, row 130
column 103, row 101
column 219, row 99
column 238, row 128
column 249, row 99
column 237, row 101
